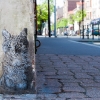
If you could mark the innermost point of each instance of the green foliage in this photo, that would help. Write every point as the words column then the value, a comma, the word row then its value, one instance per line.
column 71, row 19
column 42, row 12
column 62, row 23
column 52, row 27
column 80, row 15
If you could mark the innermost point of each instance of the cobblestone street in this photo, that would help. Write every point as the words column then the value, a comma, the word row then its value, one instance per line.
column 68, row 77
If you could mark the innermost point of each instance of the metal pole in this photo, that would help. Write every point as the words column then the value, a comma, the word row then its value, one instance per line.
column 49, row 29
column 55, row 18
column 98, row 31
column 87, row 32
column 92, row 31
column 35, row 21
column 83, row 18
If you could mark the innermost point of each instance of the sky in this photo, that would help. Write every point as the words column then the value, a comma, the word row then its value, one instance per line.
column 58, row 3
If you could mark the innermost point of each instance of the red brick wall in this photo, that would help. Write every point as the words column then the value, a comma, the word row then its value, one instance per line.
column 72, row 5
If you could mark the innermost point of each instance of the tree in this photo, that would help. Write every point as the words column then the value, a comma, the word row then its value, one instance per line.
column 71, row 19
column 62, row 23
column 52, row 27
column 79, row 16
column 42, row 12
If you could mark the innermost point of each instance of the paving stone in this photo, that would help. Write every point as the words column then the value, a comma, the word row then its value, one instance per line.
column 89, row 67
column 85, row 99
column 52, row 82
column 73, row 89
column 70, row 80
column 49, row 70
column 1, row 96
column 55, row 98
column 97, row 66
column 69, row 84
column 50, row 73
column 90, row 85
column 64, row 72
column 72, row 95
column 97, row 77
column 82, row 75
column 76, row 70
column 93, row 92
column 74, row 66
column 48, row 90
column 60, row 77
column 86, row 81
column 97, row 80
column 90, row 71
column 91, row 99
column 93, row 63
column 23, row 96
column 94, row 73
column 46, row 96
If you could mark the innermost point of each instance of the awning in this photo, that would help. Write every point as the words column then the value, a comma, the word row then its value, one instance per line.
column 95, row 21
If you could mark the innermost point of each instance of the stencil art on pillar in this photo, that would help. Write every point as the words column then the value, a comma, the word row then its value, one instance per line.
column 17, row 66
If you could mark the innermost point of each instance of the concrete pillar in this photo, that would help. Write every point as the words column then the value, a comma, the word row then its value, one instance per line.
column 15, row 15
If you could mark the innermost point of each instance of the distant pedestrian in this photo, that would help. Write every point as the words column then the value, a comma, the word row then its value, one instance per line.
column 65, row 33
column 87, row 31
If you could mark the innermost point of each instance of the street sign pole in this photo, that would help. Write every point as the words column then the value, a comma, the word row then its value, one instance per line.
column 49, row 29
column 83, row 18
column 55, row 18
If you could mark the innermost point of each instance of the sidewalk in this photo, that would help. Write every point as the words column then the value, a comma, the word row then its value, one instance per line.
column 80, row 38
column 61, row 77
column 64, row 77
column 68, row 77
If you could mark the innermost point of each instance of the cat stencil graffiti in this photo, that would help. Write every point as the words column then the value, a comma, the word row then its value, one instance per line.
column 16, row 62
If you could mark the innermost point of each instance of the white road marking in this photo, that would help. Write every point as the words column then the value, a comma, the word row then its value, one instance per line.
column 93, row 45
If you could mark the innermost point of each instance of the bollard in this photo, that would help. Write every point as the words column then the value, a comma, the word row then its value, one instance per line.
column 83, row 32
column 87, row 32
column 92, row 32
column 98, row 31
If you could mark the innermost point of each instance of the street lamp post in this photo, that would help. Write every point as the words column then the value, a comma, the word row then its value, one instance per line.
column 82, row 18
column 55, row 18
column 49, row 29
column 35, row 23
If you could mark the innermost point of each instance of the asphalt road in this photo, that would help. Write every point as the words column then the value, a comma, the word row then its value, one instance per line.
column 66, row 46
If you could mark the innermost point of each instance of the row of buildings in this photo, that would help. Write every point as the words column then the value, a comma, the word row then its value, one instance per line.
column 92, row 8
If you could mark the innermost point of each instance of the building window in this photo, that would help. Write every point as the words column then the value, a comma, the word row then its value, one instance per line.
column 99, row 3
column 88, row 16
column 88, row 4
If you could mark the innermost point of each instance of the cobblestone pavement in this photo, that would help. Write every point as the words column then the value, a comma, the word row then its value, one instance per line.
column 63, row 77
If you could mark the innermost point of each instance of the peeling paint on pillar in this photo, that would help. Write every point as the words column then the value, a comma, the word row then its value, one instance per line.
column 15, row 15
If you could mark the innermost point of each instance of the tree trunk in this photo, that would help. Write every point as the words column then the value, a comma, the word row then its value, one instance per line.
column 73, row 27
column 79, row 29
